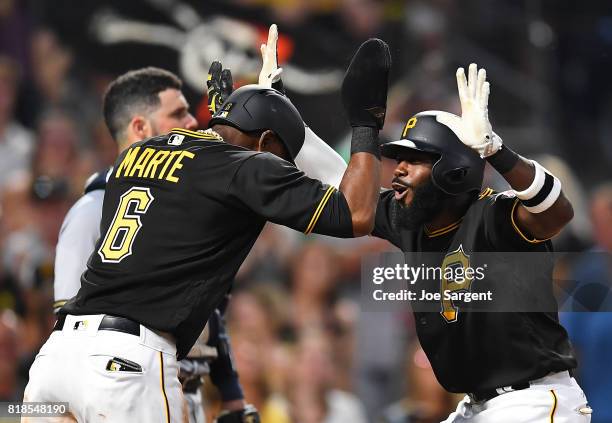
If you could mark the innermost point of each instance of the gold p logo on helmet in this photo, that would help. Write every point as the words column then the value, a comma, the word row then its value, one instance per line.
column 410, row 124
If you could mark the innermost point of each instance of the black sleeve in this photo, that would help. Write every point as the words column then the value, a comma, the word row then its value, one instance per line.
column 501, row 229
column 383, row 225
column 277, row 191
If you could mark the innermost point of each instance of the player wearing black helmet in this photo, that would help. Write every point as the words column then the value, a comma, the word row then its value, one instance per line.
column 253, row 109
column 457, row 169
column 514, row 365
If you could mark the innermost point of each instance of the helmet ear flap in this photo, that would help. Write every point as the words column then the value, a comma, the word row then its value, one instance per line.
column 450, row 180
column 456, row 176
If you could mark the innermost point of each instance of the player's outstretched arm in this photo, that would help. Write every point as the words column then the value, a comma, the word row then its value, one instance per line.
column 364, row 95
column 543, row 210
column 277, row 191
column 316, row 158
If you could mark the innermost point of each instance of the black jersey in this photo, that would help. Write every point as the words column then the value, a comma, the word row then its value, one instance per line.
column 181, row 212
column 475, row 351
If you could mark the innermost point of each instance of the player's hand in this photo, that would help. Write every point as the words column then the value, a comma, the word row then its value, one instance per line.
column 364, row 88
column 219, row 86
column 248, row 415
column 270, row 74
column 476, row 131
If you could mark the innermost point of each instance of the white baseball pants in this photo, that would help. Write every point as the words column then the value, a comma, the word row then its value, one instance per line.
column 555, row 398
column 83, row 366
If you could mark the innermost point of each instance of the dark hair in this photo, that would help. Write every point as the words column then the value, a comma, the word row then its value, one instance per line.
column 135, row 92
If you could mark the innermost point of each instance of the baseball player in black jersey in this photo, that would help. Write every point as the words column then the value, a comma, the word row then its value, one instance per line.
column 514, row 366
column 133, row 113
column 181, row 212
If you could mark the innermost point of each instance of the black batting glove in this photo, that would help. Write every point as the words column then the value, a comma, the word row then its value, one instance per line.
column 364, row 88
column 219, row 86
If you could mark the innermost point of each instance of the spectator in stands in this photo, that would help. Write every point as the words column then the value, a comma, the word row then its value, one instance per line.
column 16, row 142
column 425, row 401
column 313, row 286
column 253, row 360
column 312, row 391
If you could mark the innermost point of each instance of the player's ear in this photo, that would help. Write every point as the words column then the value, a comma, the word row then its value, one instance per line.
column 267, row 141
column 270, row 142
column 139, row 128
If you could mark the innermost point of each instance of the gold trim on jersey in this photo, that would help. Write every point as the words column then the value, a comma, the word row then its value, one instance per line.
column 485, row 193
column 59, row 303
column 554, row 407
column 442, row 231
column 517, row 229
column 319, row 210
column 163, row 389
column 210, row 135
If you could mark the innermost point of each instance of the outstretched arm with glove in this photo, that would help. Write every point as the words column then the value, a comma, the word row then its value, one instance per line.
column 316, row 158
column 543, row 210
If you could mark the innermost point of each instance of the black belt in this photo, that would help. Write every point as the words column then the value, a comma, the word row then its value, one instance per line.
column 118, row 324
column 486, row 395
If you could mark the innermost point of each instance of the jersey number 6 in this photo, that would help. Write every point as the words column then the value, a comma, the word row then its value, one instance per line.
column 119, row 238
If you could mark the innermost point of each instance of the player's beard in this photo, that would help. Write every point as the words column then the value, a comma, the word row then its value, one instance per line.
column 427, row 202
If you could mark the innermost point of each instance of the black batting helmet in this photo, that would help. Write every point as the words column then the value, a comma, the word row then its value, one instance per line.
column 458, row 169
column 254, row 108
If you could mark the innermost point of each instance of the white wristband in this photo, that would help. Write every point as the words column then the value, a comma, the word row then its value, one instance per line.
column 536, row 185
column 542, row 193
column 549, row 200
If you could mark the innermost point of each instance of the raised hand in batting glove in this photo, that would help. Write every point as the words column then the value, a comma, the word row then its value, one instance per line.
column 219, row 85
column 247, row 415
column 270, row 74
column 364, row 88
column 474, row 128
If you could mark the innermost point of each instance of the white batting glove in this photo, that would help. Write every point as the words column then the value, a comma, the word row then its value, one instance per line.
column 475, row 130
column 270, row 72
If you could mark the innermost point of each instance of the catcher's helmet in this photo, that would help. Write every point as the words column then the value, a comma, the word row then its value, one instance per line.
column 254, row 108
column 458, row 169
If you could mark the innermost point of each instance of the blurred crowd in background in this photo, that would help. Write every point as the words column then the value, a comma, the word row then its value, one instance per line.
column 305, row 351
